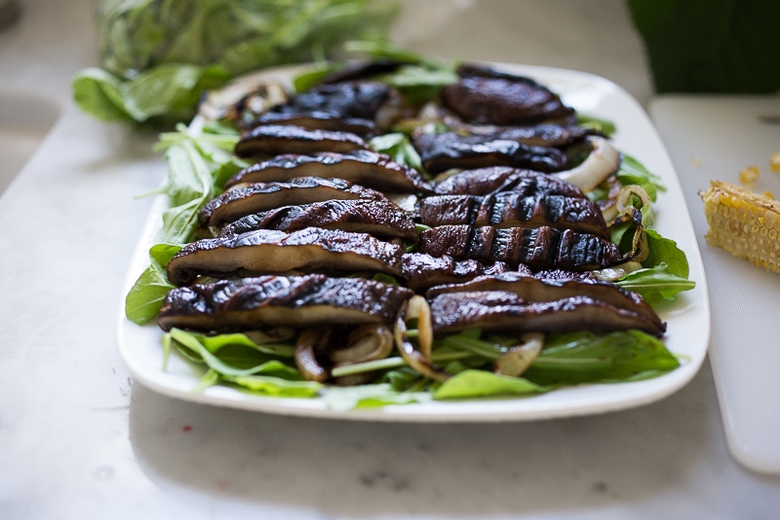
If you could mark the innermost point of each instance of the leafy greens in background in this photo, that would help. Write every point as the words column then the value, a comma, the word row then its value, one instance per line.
column 158, row 56
column 706, row 46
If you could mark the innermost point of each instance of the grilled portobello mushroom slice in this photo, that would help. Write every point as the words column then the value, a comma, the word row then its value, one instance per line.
column 364, row 167
column 486, row 95
column 505, row 311
column 274, row 139
column 537, row 248
column 511, row 209
column 549, row 288
column 268, row 301
column 377, row 218
column 263, row 196
column 275, row 252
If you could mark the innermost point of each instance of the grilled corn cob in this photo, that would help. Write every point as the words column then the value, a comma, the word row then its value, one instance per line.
column 744, row 223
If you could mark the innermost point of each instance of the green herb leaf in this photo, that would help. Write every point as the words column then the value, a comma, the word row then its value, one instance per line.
column 276, row 386
column 101, row 95
column 604, row 126
column 370, row 396
column 480, row 383
column 656, row 284
column 145, row 298
column 399, row 148
column 633, row 172
column 586, row 357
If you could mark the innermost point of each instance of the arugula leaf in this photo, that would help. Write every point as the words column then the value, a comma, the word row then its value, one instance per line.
column 101, row 95
column 145, row 298
column 664, row 250
column 230, row 356
column 383, row 49
column 665, row 272
column 400, row 149
column 632, row 171
column 572, row 358
column 419, row 77
column 656, row 284
column 586, row 357
column 370, row 396
column 196, row 163
column 480, row 383
column 604, row 126
column 276, row 386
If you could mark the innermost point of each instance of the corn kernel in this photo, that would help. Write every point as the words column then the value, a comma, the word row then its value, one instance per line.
column 774, row 162
column 749, row 175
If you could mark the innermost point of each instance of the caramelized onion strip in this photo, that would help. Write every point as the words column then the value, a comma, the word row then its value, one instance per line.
column 305, row 358
column 603, row 161
column 416, row 359
column 519, row 357
column 365, row 343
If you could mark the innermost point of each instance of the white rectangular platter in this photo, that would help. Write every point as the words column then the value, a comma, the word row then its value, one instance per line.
column 688, row 318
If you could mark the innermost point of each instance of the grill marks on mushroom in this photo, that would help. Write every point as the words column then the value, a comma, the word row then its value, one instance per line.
column 346, row 106
column 422, row 271
column 298, row 301
column 541, row 288
column 270, row 251
column 495, row 179
column 264, row 196
column 505, row 311
column 443, row 151
column 363, row 167
column 538, row 248
column 378, row 218
column 274, row 139
column 544, row 134
column 509, row 209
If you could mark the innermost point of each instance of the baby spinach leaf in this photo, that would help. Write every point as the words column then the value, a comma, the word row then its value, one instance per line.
column 145, row 298
column 480, row 383
column 586, row 357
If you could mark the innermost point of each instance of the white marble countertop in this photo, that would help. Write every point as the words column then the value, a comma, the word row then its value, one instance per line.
column 79, row 440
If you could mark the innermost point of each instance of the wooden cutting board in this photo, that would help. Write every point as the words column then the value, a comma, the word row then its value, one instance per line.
column 715, row 137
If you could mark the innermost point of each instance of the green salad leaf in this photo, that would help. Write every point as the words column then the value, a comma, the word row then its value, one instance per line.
column 586, row 357
column 197, row 163
column 370, row 396
column 158, row 56
column 664, row 274
column 570, row 358
column 632, row 171
column 145, row 298
column 480, row 383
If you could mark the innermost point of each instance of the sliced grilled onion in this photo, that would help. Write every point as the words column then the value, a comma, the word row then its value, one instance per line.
column 365, row 343
column 416, row 359
column 309, row 342
column 519, row 357
column 603, row 161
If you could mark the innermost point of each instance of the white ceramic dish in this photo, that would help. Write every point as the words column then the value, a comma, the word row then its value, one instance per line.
column 688, row 319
